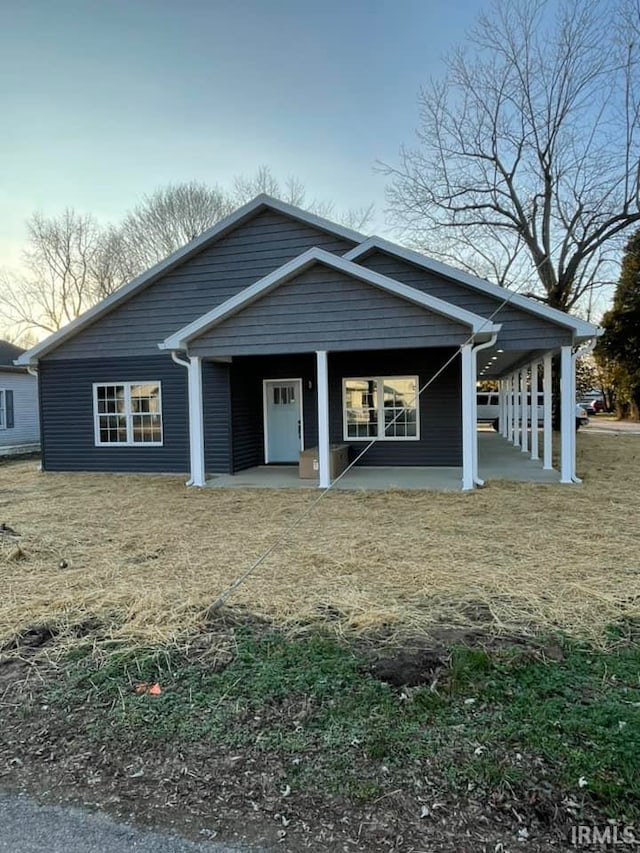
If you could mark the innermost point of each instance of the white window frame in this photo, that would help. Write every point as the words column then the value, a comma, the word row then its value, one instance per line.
column 381, row 424
column 3, row 409
column 127, row 413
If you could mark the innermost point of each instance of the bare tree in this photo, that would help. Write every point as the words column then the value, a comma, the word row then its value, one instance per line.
column 527, row 168
column 293, row 191
column 166, row 220
column 61, row 274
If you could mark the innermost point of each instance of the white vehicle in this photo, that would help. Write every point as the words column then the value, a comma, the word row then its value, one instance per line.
column 489, row 406
column 489, row 409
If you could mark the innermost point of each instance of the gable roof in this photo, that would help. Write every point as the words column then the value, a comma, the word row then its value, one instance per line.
column 179, row 340
column 9, row 352
column 229, row 223
column 580, row 328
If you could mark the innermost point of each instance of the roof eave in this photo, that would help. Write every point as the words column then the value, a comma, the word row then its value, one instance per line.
column 261, row 202
column 180, row 339
column 580, row 328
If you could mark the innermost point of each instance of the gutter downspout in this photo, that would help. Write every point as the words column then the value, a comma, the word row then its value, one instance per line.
column 193, row 451
column 474, row 367
column 32, row 370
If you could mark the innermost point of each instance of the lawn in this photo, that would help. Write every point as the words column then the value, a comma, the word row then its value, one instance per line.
column 142, row 557
column 409, row 671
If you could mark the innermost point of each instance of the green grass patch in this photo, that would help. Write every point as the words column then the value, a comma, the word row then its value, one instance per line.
column 506, row 720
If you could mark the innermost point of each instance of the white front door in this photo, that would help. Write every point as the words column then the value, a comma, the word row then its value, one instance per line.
column 282, row 420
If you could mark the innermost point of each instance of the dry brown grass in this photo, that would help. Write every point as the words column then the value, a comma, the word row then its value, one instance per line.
column 147, row 556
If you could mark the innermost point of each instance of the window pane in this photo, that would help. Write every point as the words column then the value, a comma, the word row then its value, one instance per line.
column 400, row 405
column 146, row 428
column 113, row 429
column 361, row 399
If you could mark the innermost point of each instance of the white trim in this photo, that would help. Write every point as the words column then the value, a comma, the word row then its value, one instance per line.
column 128, row 414
column 265, row 420
column 469, row 429
column 196, row 423
column 380, row 412
column 261, row 202
column 567, row 417
column 579, row 327
column 534, row 410
column 524, row 409
column 547, row 425
column 474, row 404
column 180, row 339
column 322, row 382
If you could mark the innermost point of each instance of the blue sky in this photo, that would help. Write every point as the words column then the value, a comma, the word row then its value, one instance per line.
column 104, row 100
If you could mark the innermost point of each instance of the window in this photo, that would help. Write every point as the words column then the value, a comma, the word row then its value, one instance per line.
column 127, row 413
column 381, row 407
column 3, row 410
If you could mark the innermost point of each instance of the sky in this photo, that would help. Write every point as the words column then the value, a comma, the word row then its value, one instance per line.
column 102, row 101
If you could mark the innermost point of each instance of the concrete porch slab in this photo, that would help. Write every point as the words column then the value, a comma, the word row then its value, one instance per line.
column 497, row 460
column 360, row 478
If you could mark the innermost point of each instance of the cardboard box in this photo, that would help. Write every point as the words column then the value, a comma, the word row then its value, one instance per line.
column 309, row 467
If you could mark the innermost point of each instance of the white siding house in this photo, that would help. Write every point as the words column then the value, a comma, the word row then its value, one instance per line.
column 19, row 425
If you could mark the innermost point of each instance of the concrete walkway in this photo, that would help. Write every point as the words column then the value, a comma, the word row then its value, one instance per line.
column 497, row 460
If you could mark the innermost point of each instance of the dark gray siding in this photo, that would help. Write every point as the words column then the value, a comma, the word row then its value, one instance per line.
column 235, row 261
column 247, row 375
column 325, row 309
column 520, row 330
column 216, row 406
column 440, row 442
column 66, row 406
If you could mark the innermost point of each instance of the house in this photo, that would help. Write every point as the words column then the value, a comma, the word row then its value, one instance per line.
column 278, row 330
column 19, row 429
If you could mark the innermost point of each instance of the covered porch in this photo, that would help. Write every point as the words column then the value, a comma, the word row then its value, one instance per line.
column 497, row 460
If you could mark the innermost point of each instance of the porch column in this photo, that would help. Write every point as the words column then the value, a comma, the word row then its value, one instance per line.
column 196, row 422
column 567, row 416
column 468, row 425
column 547, row 454
column 503, row 408
column 516, row 410
column 509, row 433
column 524, row 437
column 322, row 382
column 534, row 410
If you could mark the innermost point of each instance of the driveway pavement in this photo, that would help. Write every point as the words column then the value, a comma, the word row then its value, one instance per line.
column 27, row 827
column 617, row 427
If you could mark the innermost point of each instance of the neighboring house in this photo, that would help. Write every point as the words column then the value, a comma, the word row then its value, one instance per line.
column 19, row 429
column 277, row 330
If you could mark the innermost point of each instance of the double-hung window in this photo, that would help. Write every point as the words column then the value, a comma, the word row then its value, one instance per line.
column 382, row 407
column 127, row 413
column 3, row 409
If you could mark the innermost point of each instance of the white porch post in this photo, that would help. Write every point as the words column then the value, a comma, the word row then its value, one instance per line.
column 516, row 410
column 196, row 422
column 547, row 435
column 322, row 382
column 468, row 425
column 509, row 435
column 534, row 410
column 503, row 408
column 524, row 436
column 567, row 416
